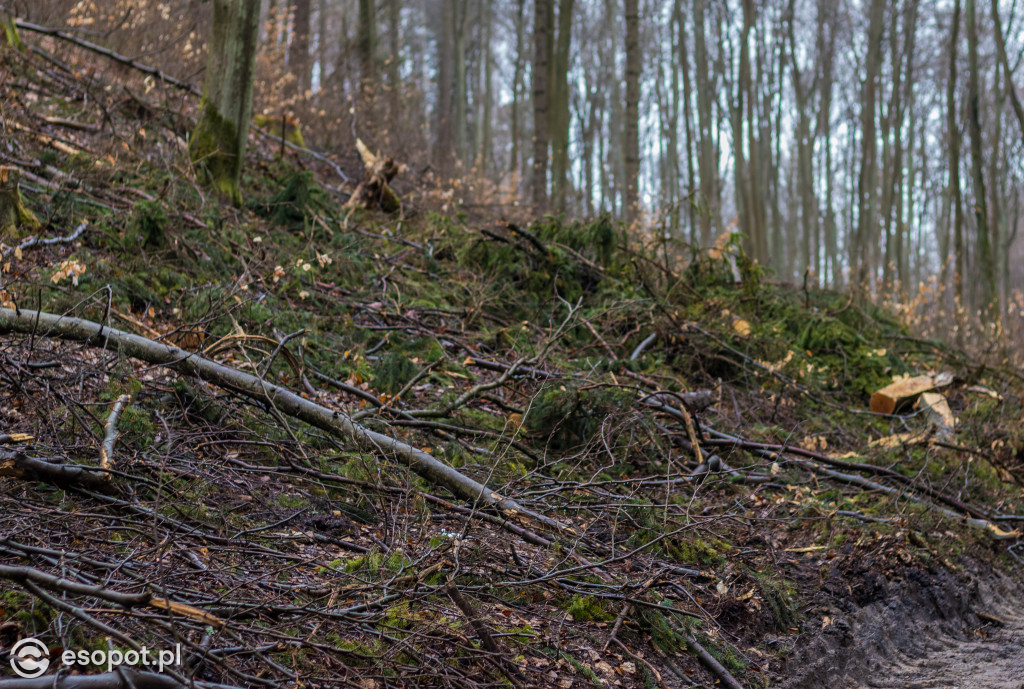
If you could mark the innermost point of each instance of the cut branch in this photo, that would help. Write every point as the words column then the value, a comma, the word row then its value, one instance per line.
column 285, row 401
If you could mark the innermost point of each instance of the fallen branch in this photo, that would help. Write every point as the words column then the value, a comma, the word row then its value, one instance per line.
column 122, row 678
column 274, row 396
column 110, row 432
column 32, row 242
column 710, row 663
column 116, row 57
column 47, row 470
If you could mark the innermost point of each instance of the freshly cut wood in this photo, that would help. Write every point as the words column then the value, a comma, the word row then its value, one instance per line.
column 901, row 393
column 936, row 409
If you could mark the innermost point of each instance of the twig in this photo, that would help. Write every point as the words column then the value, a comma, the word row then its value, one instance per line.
column 642, row 346
column 35, row 241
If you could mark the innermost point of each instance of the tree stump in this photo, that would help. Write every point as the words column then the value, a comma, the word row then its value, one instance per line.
column 373, row 191
column 13, row 214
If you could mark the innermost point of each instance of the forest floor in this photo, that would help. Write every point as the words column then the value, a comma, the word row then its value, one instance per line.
column 701, row 495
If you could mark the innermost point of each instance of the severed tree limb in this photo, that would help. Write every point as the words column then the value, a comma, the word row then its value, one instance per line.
column 110, row 432
column 712, row 664
column 47, row 470
column 145, row 69
column 285, row 401
column 483, row 633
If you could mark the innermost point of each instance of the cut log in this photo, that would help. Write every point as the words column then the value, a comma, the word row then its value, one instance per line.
column 13, row 214
column 938, row 413
column 901, row 394
column 374, row 191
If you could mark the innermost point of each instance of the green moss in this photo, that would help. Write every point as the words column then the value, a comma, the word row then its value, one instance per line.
column 587, row 609
column 147, row 226
column 392, row 371
column 214, row 150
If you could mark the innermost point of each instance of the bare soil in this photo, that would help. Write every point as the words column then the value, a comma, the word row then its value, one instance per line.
column 927, row 630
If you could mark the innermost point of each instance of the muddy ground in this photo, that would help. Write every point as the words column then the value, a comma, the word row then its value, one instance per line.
column 917, row 629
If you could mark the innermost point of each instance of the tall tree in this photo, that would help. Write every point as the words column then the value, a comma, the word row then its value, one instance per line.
column 707, row 160
column 631, row 144
column 862, row 254
column 541, row 16
column 366, row 42
column 981, row 213
column 445, row 78
column 953, row 127
column 217, row 146
column 298, row 49
column 559, row 110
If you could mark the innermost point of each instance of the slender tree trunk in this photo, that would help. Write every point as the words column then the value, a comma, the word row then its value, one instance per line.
column 445, row 78
column 366, row 43
column 394, row 70
column 542, row 12
column 981, row 212
column 517, row 89
column 218, row 143
column 460, row 119
column 559, row 111
column 298, row 51
column 484, row 148
column 867, row 184
column 953, row 125
column 707, row 160
column 631, row 144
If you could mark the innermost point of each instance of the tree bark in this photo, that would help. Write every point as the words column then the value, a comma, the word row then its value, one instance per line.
column 631, row 145
column 981, row 212
column 862, row 251
column 541, row 16
column 298, row 50
column 218, row 143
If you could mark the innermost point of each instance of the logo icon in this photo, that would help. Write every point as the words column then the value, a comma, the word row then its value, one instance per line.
column 30, row 658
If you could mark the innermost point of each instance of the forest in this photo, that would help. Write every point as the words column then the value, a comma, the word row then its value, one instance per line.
column 485, row 343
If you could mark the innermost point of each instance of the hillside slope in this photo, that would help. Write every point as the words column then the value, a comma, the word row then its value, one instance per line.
column 699, row 486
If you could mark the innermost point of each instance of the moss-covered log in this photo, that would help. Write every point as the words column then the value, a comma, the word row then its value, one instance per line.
column 13, row 214
column 218, row 143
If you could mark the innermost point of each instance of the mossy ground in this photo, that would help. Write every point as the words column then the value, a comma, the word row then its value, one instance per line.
column 413, row 305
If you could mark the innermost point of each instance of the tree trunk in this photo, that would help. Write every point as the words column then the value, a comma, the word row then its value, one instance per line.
column 953, row 126
column 711, row 212
column 631, row 145
column 861, row 259
column 298, row 50
column 217, row 146
column 517, row 88
column 366, row 43
column 559, row 111
column 445, row 79
column 981, row 213
column 542, row 11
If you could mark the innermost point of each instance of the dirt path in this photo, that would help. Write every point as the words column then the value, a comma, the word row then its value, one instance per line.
column 927, row 631
column 992, row 659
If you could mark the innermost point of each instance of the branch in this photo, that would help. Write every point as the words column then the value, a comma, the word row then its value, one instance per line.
column 122, row 678
column 287, row 402
column 110, row 431
column 116, row 57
